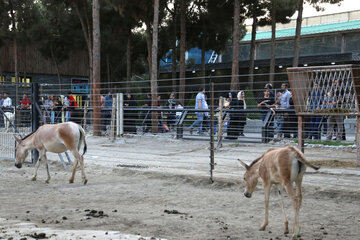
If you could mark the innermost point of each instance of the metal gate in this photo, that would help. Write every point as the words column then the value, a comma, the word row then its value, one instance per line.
column 18, row 121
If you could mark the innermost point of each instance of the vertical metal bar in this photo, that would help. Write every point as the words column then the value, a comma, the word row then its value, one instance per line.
column 212, row 142
column 35, row 117
column 357, row 138
column 62, row 160
column 113, row 120
column 301, row 126
column 220, row 123
column 117, row 114
column 121, row 110
column 68, row 157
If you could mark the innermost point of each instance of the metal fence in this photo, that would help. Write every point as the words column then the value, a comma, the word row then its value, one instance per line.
column 257, row 115
column 18, row 117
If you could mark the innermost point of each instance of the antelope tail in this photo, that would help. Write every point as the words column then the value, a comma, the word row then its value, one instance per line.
column 301, row 158
column 82, row 139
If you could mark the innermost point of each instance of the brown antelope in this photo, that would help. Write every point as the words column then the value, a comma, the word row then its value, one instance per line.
column 281, row 166
column 56, row 138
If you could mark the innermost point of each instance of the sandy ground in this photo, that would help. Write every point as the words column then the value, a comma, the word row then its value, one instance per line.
column 159, row 188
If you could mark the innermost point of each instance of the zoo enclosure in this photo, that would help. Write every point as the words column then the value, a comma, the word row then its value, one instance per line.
column 259, row 128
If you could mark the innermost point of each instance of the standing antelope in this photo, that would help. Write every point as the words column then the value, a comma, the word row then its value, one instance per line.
column 281, row 166
column 56, row 138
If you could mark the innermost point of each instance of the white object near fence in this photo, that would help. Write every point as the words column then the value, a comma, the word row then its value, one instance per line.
column 119, row 114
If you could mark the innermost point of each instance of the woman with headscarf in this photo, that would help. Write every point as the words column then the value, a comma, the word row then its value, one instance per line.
column 242, row 116
column 234, row 123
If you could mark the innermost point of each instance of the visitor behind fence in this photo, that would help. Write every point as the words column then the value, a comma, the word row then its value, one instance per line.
column 171, row 104
column 106, row 111
column 315, row 102
column 206, row 122
column 335, row 101
column 265, row 103
column 284, row 104
column 57, row 109
column 130, row 116
column 69, row 107
column 8, row 110
column 233, row 122
column 199, row 105
column 49, row 110
column 146, row 114
column 242, row 105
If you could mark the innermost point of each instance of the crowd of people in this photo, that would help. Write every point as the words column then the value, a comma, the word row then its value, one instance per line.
column 54, row 106
column 285, row 124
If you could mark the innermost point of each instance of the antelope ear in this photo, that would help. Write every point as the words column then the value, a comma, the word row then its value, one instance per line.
column 17, row 139
column 244, row 164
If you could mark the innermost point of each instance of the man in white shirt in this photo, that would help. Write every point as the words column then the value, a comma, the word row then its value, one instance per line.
column 200, row 103
column 8, row 110
column 7, row 101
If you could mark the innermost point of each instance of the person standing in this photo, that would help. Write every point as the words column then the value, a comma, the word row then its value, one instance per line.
column 8, row 109
column 25, row 115
column 315, row 103
column 49, row 109
column 146, row 114
column 130, row 116
column 171, row 104
column 107, row 109
column 206, row 122
column 57, row 109
column 285, row 104
column 199, row 105
column 242, row 116
column 336, row 101
column 25, row 102
column 69, row 106
column 269, row 87
column 233, row 126
column 266, row 103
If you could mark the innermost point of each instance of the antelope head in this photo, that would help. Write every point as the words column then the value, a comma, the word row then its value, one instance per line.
column 250, row 178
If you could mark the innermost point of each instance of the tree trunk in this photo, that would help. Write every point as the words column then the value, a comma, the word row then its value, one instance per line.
column 273, row 43
column 182, row 51
column 96, row 68
column 235, row 59
column 149, row 44
column 298, row 33
column 13, row 29
column 252, row 51
column 15, row 49
column 174, row 55
column 154, row 54
column 89, row 43
column 108, row 71
column 57, row 69
column 128, row 63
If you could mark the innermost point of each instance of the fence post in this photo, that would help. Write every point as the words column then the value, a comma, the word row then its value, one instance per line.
column 119, row 114
column 35, row 117
column 212, row 132
column 220, row 123
column 301, row 126
column 113, row 121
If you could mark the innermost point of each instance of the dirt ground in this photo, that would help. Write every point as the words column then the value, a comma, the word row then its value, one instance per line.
column 159, row 188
